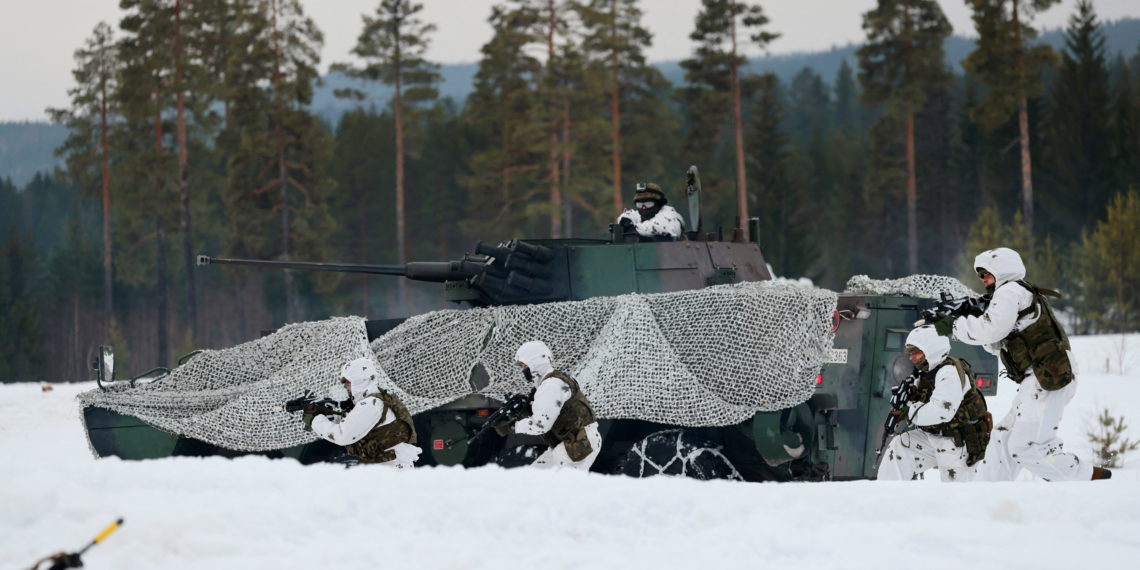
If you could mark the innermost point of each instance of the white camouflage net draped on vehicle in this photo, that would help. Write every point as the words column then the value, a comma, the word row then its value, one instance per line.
column 921, row 286
column 713, row 356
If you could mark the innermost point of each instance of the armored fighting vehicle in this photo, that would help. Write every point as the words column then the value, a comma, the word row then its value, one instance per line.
column 683, row 300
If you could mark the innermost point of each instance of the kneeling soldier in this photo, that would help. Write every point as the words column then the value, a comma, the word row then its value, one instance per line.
column 948, row 410
column 560, row 412
column 378, row 429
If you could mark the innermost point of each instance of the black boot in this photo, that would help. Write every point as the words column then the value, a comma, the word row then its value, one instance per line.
column 1101, row 473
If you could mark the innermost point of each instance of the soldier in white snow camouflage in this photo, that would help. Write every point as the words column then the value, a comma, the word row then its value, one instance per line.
column 949, row 413
column 652, row 217
column 378, row 429
column 1019, row 327
column 560, row 413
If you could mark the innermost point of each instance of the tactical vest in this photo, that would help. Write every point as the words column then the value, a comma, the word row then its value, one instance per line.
column 569, row 428
column 972, row 423
column 1042, row 346
column 375, row 446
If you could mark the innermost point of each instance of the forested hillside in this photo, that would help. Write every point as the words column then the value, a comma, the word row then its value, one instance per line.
column 27, row 147
column 201, row 128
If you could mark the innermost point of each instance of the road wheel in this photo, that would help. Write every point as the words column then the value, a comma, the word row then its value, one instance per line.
column 519, row 455
column 678, row 452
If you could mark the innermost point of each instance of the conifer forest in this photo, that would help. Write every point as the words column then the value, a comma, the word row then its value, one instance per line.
column 191, row 130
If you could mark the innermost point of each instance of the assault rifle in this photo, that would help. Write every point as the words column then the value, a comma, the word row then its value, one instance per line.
column 64, row 560
column 310, row 404
column 899, row 395
column 514, row 409
column 949, row 306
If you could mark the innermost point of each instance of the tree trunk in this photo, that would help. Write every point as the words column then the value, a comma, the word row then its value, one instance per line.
column 160, row 241
column 911, row 197
column 1023, row 127
column 401, row 244
column 738, row 127
column 291, row 311
column 567, row 205
column 615, row 115
column 183, row 174
column 105, row 167
column 555, row 189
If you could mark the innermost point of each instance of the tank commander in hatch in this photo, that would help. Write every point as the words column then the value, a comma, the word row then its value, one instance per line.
column 652, row 217
column 560, row 412
column 378, row 428
column 949, row 412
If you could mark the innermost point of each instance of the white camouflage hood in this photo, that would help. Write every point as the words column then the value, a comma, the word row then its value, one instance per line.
column 536, row 356
column 362, row 374
column 1004, row 263
column 935, row 346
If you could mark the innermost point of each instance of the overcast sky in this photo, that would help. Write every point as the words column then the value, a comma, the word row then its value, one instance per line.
column 38, row 37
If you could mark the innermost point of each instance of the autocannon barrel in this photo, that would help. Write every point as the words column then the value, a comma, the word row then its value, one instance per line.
column 435, row 271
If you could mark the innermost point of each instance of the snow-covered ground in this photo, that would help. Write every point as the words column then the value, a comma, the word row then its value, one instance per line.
column 261, row 513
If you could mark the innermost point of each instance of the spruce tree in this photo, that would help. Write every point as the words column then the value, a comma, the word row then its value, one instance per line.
column 1109, row 269
column 902, row 58
column 22, row 336
column 848, row 111
column 142, row 154
column 1078, row 128
column 1010, row 65
column 87, row 151
column 1124, row 123
column 779, row 201
column 504, row 177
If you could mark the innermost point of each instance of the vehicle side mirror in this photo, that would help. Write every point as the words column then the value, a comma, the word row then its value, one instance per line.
column 103, row 365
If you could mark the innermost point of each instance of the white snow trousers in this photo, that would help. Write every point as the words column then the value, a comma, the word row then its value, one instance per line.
column 917, row 451
column 1027, row 438
column 406, row 456
column 557, row 457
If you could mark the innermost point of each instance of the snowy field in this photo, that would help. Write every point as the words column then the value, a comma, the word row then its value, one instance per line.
column 261, row 513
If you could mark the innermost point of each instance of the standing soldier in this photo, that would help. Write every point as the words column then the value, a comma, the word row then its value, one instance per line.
column 1019, row 326
column 653, row 218
column 949, row 411
column 560, row 412
column 378, row 429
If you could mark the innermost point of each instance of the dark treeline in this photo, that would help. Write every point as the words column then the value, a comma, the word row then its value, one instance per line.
column 191, row 130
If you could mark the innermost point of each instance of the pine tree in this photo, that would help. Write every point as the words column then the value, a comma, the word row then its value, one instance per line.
column 1078, row 128
column 713, row 93
column 1007, row 62
column 902, row 58
column 615, row 37
column 392, row 47
column 193, row 89
column 86, row 150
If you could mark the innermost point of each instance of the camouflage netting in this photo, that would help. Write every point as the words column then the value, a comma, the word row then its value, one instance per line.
column 713, row 356
column 921, row 286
